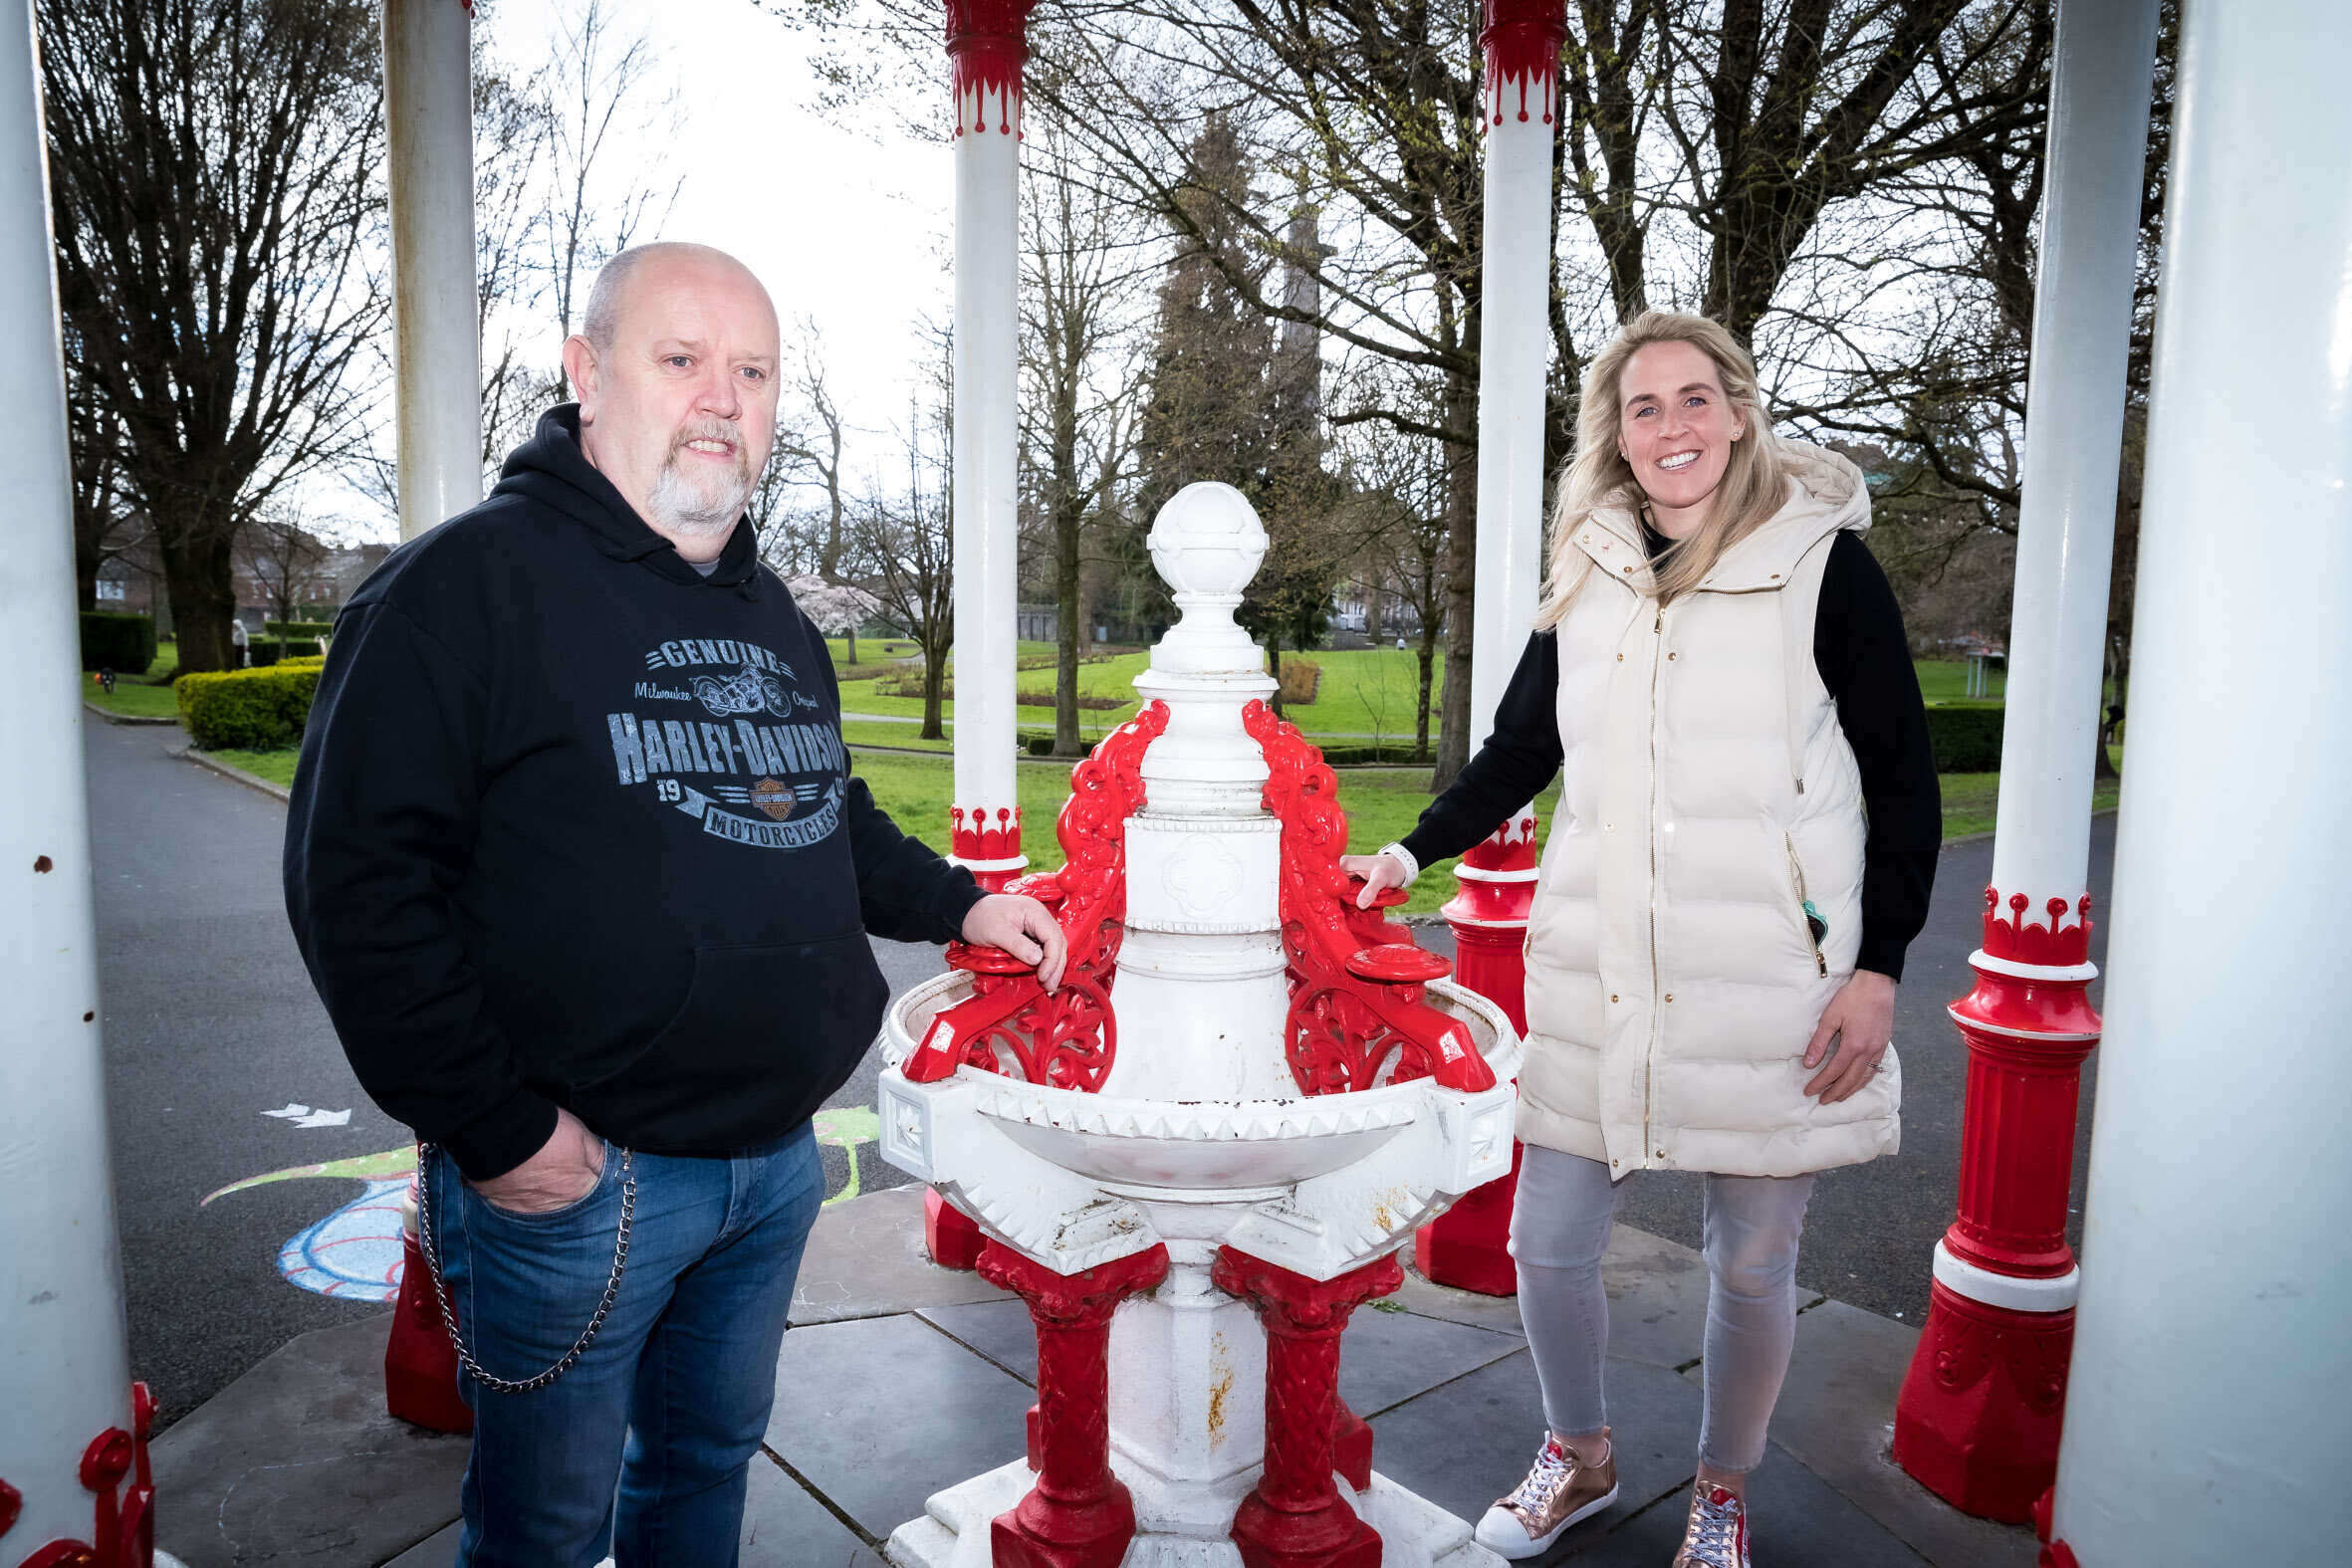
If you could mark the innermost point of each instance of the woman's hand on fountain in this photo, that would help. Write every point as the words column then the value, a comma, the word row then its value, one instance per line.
column 1379, row 872
column 1022, row 927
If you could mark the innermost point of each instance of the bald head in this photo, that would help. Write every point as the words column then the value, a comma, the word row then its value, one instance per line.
column 675, row 367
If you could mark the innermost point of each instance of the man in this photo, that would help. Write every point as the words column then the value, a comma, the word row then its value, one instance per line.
column 580, row 871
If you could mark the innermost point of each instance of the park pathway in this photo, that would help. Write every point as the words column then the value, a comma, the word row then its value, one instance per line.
column 210, row 1023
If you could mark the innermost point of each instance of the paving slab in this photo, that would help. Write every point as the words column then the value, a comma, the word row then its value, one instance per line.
column 999, row 1330
column 1468, row 1441
column 297, row 1462
column 1798, row 1521
column 1388, row 1358
column 783, row 1527
column 877, row 1414
column 1836, row 1417
column 865, row 1258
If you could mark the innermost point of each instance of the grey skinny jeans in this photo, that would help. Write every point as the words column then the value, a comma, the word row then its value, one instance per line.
column 1560, row 1226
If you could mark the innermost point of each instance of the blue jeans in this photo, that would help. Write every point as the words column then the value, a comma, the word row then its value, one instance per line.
column 673, row 1395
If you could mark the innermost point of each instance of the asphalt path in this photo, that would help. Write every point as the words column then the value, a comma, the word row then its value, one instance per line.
column 210, row 1022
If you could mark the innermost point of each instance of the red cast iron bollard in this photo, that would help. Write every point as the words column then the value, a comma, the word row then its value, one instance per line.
column 1469, row 1245
column 1977, row 1419
column 1078, row 1515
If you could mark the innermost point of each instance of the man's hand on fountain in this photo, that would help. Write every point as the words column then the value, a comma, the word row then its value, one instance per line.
column 1022, row 927
column 1379, row 872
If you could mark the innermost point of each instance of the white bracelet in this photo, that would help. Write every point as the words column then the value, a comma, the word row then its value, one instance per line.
column 1404, row 857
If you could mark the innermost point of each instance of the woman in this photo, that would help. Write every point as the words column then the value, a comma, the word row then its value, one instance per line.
column 1744, row 847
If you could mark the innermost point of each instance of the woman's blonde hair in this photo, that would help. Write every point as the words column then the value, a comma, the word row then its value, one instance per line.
column 1753, row 482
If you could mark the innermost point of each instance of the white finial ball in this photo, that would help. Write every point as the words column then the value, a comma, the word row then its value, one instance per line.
column 1207, row 539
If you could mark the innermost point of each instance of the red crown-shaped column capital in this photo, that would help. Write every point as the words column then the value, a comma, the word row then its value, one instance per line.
column 1521, row 39
column 987, row 44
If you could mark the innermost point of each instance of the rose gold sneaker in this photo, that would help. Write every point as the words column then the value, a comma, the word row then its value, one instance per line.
column 1557, row 1491
column 1717, row 1534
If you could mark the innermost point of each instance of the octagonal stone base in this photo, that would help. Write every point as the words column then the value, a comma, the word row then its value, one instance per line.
column 953, row 1531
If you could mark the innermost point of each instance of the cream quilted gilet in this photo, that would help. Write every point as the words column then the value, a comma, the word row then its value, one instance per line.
column 1707, row 795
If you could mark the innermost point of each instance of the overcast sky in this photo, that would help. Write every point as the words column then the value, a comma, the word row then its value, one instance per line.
column 848, row 225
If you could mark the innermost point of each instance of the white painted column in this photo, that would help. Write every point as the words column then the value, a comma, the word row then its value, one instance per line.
column 1522, row 42
column 2206, row 1417
column 2004, row 1281
column 65, row 1375
column 2105, row 57
column 987, row 46
column 438, row 333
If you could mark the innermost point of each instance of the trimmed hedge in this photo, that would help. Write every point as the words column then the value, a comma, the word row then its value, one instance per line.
column 124, row 644
column 248, row 710
column 1965, row 740
column 298, row 628
column 264, row 654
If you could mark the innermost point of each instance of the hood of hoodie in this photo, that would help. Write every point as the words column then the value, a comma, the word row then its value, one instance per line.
column 553, row 470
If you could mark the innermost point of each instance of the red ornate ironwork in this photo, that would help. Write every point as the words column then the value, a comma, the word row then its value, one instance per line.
column 124, row 1519
column 1078, row 1515
column 2054, row 1553
column 976, row 833
column 1978, row 1418
column 1351, row 1025
column 1522, row 41
column 987, row 44
column 1296, row 1517
column 1010, row 1024
column 2019, row 940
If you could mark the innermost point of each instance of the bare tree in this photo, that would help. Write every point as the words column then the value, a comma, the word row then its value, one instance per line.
column 909, row 542
column 278, row 552
column 598, row 91
column 1080, row 253
column 214, row 166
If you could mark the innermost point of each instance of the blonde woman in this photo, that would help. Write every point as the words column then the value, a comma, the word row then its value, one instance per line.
column 1744, row 847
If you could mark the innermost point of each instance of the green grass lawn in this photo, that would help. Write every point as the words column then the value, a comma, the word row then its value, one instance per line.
column 276, row 766
column 1944, row 681
column 147, row 695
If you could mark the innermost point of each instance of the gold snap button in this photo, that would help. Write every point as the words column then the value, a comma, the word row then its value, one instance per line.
column 1670, row 996
column 1625, row 569
column 1670, row 658
column 1612, row 995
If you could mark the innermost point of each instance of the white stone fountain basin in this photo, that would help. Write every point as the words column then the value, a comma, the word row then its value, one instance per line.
column 1207, row 1149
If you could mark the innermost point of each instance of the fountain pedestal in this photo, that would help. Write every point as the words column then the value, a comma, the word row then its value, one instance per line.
column 1204, row 1150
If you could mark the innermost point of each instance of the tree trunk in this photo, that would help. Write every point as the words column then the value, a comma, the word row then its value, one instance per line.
column 935, row 690
column 1454, row 739
column 1372, row 615
column 849, row 645
column 198, row 574
column 1427, row 655
column 1067, row 741
column 1273, row 667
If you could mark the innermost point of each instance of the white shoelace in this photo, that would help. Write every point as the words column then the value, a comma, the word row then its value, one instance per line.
column 1551, row 1473
column 1715, row 1534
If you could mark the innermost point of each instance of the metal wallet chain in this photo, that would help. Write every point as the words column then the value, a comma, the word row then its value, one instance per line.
column 432, row 1258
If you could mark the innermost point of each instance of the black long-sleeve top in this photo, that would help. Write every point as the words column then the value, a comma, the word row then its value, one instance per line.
column 1864, row 661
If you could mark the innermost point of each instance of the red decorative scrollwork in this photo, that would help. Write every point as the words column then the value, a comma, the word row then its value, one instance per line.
column 2057, row 944
column 1009, row 1024
column 1356, row 1018
column 987, row 44
column 1522, row 41
column 124, row 1520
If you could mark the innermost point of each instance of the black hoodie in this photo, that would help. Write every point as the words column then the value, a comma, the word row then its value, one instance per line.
column 574, row 826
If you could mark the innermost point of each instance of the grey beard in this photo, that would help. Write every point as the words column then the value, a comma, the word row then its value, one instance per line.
column 677, row 505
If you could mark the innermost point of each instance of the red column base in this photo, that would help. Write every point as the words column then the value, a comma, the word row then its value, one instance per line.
column 952, row 1236
column 1331, row 1536
column 1976, row 1423
column 419, row 1363
column 1039, row 1533
column 1469, row 1245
